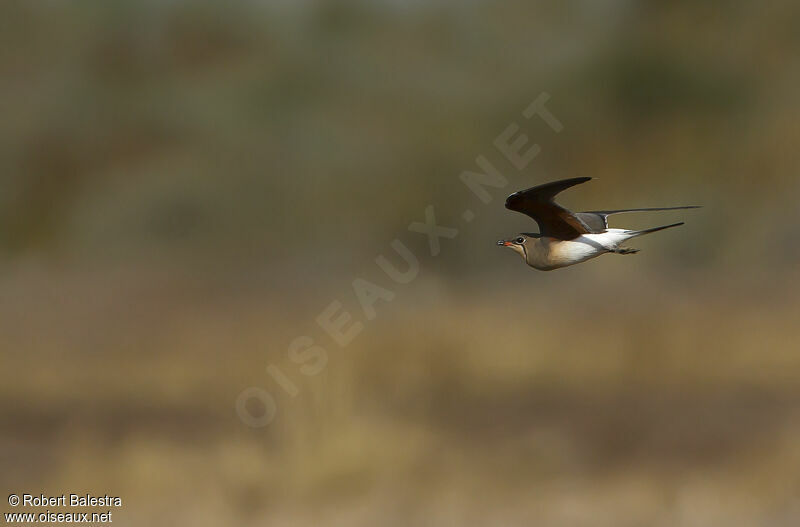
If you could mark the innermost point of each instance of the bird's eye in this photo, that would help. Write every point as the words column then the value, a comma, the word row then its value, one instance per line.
column 520, row 240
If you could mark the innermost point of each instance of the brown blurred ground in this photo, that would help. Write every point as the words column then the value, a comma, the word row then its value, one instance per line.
column 184, row 187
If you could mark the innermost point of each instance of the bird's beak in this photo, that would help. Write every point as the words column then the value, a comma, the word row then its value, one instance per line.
column 503, row 243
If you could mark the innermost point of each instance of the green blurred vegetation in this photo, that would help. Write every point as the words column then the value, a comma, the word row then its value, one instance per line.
column 184, row 186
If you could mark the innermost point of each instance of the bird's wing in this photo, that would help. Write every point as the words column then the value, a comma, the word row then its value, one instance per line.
column 554, row 220
column 597, row 220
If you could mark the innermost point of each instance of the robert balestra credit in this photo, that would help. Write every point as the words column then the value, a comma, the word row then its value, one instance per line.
column 73, row 500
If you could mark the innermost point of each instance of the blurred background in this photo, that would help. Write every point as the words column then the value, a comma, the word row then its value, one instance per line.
column 185, row 186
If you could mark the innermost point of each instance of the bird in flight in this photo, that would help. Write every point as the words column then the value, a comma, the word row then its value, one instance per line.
column 567, row 238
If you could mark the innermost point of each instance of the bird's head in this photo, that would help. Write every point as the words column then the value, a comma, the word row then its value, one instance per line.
column 518, row 244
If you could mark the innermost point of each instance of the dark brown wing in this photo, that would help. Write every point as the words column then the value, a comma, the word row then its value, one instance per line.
column 554, row 220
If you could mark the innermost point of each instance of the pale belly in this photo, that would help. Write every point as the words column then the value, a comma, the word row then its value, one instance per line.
column 553, row 254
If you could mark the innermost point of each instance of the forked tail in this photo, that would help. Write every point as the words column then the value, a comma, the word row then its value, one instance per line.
column 655, row 229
